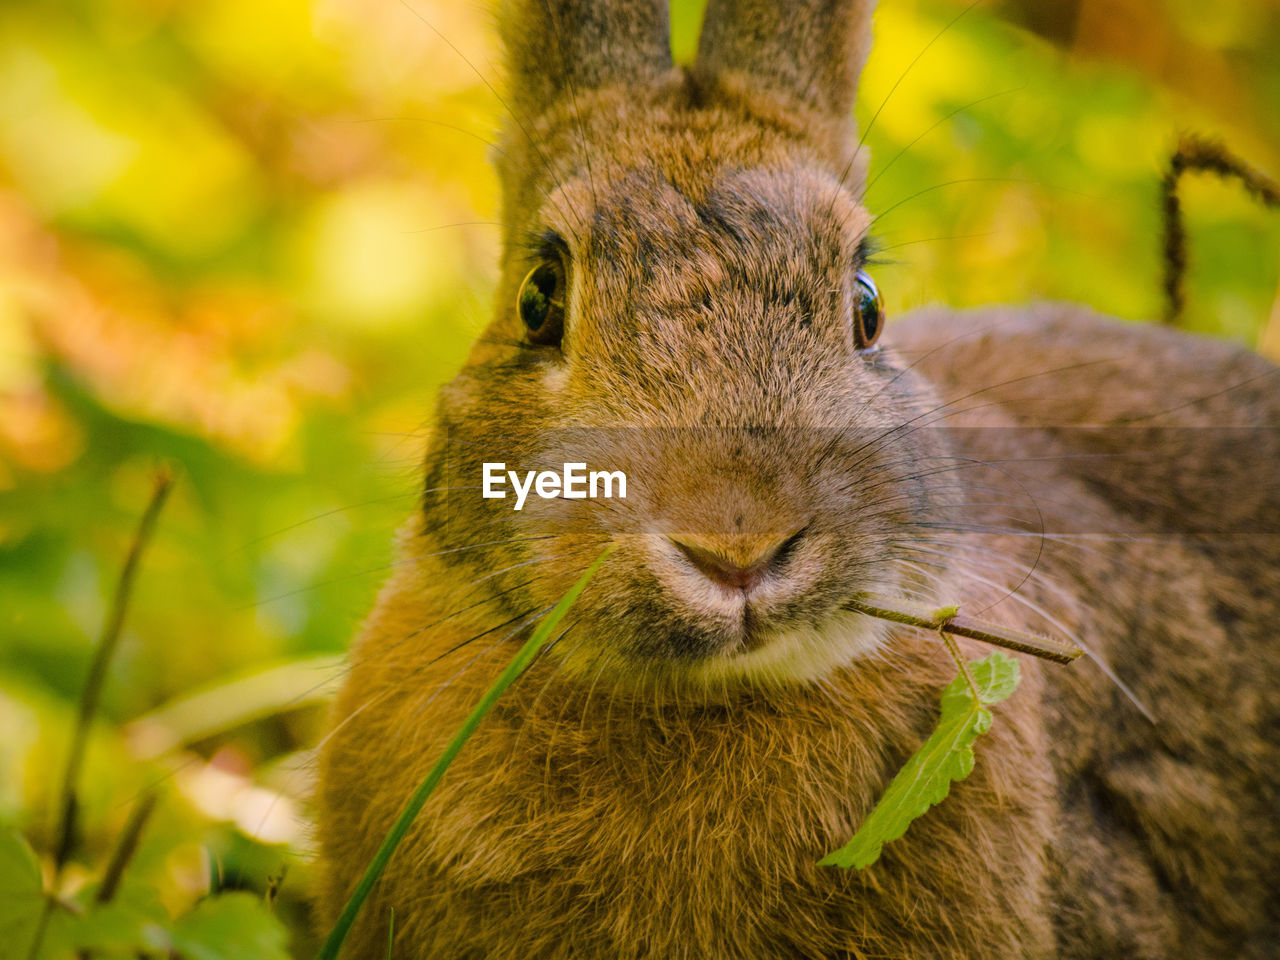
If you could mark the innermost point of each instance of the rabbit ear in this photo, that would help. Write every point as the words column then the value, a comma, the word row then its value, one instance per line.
column 807, row 50
column 558, row 47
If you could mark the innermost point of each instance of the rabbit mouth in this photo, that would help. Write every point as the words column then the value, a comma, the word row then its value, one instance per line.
column 762, row 607
column 797, row 653
column 767, row 610
column 734, row 590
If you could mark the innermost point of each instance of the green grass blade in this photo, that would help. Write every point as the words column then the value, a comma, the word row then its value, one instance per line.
column 539, row 638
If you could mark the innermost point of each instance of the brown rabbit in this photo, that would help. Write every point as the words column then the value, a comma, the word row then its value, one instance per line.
column 683, row 299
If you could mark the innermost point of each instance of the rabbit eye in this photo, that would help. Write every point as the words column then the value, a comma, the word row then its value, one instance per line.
column 868, row 311
column 540, row 303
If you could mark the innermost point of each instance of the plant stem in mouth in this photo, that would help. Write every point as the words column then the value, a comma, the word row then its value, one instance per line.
column 1047, row 648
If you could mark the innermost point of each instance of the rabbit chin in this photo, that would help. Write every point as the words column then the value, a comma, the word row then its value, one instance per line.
column 783, row 657
column 802, row 654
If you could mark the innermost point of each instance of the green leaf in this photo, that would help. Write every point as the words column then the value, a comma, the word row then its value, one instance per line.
column 233, row 926
column 140, row 899
column 946, row 756
column 22, row 897
column 112, row 930
column 120, row 928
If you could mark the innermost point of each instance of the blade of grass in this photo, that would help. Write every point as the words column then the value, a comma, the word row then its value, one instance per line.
column 226, row 704
column 541, row 634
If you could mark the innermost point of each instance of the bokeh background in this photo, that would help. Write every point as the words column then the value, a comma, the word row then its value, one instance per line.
column 251, row 239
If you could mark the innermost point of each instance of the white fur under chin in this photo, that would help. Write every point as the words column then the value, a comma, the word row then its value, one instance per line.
column 799, row 655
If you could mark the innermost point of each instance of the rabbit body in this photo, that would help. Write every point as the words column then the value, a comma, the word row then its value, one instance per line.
column 663, row 782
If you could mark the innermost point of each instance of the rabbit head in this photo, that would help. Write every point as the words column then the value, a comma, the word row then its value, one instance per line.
column 683, row 298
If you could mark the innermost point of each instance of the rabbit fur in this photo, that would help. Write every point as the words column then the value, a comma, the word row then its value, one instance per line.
column 664, row 780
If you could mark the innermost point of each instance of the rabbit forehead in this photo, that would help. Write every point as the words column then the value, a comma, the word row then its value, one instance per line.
column 648, row 221
column 652, row 244
column 762, row 204
column 602, row 136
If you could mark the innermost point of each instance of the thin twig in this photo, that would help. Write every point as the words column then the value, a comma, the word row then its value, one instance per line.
column 126, row 846
column 955, row 624
column 1199, row 154
column 273, row 886
column 68, row 803
column 92, row 692
column 944, row 616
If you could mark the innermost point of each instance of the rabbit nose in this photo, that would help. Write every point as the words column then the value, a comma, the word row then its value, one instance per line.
column 739, row 562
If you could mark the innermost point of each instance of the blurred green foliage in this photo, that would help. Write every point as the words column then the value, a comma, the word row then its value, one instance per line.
column 252, row 239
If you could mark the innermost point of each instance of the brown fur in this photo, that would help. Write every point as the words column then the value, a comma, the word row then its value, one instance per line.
column 664, row 781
